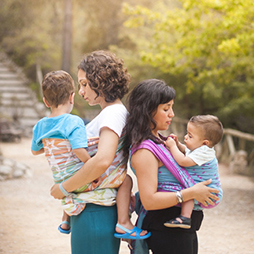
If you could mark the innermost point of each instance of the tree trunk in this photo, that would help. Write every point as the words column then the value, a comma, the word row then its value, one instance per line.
column 67, row 36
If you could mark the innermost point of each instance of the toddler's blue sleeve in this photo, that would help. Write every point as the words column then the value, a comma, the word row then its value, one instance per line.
column 78, row 137
column 36, row 144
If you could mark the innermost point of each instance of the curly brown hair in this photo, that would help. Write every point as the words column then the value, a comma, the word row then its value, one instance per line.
column 106, row 74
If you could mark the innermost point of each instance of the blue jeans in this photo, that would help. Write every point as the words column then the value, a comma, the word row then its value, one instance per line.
column 92, row 231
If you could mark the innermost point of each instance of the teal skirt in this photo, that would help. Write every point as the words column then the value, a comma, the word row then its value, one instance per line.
column 92, row 231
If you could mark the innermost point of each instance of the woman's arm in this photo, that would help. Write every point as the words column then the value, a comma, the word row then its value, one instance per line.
column 94, row 167
column 146, row 167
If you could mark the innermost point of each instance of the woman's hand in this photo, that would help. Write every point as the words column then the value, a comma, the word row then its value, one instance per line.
column 56, row 192
column 204, row 194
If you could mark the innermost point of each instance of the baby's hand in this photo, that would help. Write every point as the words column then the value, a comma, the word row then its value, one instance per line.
column 170, row 142
column 96, row 182
column 173, row 136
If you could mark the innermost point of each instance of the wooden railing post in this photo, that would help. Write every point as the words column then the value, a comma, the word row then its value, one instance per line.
column 231, row 146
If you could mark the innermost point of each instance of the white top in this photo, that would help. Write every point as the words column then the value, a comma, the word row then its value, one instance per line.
column 113, row 117
column 201, row 155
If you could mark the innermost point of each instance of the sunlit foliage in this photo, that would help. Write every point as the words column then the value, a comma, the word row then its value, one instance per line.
column 211, row 43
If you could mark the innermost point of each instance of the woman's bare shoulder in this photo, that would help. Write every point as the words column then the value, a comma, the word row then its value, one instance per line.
column 144, row 157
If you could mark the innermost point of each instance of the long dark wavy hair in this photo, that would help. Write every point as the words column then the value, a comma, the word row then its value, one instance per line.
column 106, row 74
column 143, row 102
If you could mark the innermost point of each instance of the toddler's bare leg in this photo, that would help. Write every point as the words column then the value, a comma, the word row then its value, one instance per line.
column 187, row 208
column 123, row 201
column 65, row 217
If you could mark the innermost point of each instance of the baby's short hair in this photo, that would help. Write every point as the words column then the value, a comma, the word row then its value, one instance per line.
column 211, row 126
column 57, row 86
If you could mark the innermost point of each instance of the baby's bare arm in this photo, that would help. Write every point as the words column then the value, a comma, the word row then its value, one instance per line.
column 82, row 154
column 178, row 155
column 181, row 147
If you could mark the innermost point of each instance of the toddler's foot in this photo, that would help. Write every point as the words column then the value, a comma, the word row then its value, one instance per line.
column 135, row 233
column 179, row 222
column 65, row 227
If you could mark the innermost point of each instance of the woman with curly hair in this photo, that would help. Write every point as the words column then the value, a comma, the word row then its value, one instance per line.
column 103, row 81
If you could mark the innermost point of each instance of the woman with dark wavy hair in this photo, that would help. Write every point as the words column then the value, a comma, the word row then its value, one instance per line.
column 151, row 111
column 103, row 81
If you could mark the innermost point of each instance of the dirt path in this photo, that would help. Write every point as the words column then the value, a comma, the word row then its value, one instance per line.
column 29, row 216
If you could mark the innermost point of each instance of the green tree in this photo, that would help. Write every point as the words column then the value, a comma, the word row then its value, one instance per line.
column 31, row 32
column 210, row 45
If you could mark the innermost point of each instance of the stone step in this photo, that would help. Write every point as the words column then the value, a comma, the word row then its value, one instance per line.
column 8, row 76
column 14, row 89
column 9, row 96
column 17, row 101
column 13, row 82
column 4, row 68
column 20, row 111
